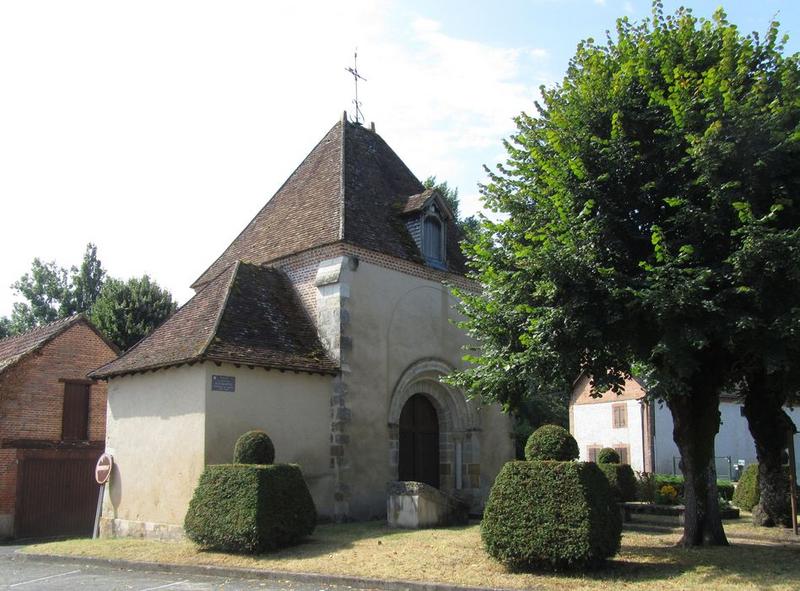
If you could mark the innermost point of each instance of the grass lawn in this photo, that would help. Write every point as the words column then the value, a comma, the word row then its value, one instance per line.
column 756, row 559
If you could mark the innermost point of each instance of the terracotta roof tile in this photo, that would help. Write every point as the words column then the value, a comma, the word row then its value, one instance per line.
column 351, row 187
column 248, row 314
column 14, row 348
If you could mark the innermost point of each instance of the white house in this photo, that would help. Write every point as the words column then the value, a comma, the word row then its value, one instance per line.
column 641, row 431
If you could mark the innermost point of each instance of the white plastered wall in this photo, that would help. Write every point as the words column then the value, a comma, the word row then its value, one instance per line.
column 396, row 321
column 593, row 426
column 293, row 408
column 155, row 431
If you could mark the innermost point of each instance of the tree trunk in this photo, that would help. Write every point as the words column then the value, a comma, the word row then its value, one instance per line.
column 696, row 423
column 770, row 427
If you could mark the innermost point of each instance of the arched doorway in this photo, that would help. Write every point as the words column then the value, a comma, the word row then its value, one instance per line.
column 419, row 441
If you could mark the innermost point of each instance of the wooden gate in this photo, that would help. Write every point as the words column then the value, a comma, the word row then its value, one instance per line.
column 56, row 495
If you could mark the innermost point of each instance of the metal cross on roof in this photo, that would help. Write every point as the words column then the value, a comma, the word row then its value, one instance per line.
column 356, row 76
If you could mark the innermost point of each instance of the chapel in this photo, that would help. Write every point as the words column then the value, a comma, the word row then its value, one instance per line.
column 328, row 322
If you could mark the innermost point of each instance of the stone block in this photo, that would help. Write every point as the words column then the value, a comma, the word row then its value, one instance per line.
column 415, row 505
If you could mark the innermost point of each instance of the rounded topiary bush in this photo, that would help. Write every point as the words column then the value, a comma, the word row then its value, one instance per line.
column 746, row 494
column 551, row 442
column 551, row 515
column 254, row 447
column 607, row 455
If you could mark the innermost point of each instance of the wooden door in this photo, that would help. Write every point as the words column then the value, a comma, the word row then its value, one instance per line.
column 56, row 496
column 419, row 441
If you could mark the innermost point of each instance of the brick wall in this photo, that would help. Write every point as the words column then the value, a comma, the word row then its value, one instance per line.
column 31, row 397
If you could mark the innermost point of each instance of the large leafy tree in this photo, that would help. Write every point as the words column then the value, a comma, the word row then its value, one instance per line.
column 127, row 311
column 623, row 203
column 46, row 290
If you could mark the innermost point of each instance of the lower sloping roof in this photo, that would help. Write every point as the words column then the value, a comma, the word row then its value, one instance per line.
column 248, row 315
column 15, row 348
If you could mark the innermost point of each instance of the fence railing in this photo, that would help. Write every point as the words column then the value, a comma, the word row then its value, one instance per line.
column 723, row 464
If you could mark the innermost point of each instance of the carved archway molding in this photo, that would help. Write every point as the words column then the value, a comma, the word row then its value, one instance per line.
column 423, row 377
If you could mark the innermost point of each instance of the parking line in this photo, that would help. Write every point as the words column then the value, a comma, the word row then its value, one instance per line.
column 167, row 585
column 72, row 572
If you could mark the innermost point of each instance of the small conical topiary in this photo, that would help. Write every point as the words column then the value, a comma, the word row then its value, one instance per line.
column 607, row 455
column 551, row 442
column 254, row 447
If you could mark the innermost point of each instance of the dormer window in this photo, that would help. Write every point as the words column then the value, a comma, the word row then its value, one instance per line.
column 426, row 217
column 433, row 240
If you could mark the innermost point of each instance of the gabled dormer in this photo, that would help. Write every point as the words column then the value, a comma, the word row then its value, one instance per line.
column 427, row 218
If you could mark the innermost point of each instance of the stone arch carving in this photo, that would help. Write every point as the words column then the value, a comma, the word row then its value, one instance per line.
column 458, row 420
column 423, row 377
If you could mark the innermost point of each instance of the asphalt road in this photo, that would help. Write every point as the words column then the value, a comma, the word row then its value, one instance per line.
column 17, row 573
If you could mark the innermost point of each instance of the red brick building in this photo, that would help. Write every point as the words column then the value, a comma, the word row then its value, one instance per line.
column 52, row 428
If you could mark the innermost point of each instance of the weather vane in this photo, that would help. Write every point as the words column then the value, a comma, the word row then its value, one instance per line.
column 356, row 77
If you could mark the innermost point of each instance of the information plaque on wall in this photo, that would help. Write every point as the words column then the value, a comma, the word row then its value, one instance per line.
column 223, row 383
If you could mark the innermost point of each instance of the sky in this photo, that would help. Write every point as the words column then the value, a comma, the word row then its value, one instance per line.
column 158, row 129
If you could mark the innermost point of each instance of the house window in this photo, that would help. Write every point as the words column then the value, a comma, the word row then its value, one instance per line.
column 592, row 451
column 622, row 450
column 619, row 414
column 433, row 240
column 75, row 415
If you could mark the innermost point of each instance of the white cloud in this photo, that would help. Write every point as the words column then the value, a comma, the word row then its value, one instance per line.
column 158, row 129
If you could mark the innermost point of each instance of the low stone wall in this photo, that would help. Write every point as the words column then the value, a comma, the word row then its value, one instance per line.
column 637, row 512
column 415, row 505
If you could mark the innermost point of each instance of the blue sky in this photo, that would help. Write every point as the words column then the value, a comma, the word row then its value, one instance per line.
column 158, row 129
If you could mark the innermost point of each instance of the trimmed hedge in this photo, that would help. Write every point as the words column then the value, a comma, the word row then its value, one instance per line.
column 607, row 455
column 254, row 447
column 747, row 492
column 250, row 508
column 622, row 481
column 551, row 442
column 724, row 487
column 552, row 515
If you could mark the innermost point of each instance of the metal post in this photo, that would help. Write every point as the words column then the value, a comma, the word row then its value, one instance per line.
column 793, row 483
column 95, row 530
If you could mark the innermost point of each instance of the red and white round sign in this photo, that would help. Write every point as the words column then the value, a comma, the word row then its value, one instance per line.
column 102, row 471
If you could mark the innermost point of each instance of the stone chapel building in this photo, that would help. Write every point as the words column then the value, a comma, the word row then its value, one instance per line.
column 328, row 323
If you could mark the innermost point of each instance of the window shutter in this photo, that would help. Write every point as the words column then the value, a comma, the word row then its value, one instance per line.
column 623, row 454
column 619, row 413
column 432, row 239
column 75, row 414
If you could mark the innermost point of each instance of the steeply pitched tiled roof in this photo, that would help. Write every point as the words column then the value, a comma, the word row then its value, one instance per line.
column 352, row 187
column 247, row 314
column 13, row 349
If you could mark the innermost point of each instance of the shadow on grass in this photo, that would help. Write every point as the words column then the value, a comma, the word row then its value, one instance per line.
column 756, row 564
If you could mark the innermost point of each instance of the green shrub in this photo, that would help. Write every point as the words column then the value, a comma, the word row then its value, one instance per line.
column 646, row 487
column 724, row 487
column 551, row 442
column 607, row 455
column 250, row 508
column 552, row 515
column 622, row 481
column 747, row 492
column 254, row 447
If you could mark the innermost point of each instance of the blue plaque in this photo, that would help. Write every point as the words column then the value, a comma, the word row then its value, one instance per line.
column 223, row 383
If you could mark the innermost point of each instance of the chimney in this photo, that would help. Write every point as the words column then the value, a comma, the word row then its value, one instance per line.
column 372, row 126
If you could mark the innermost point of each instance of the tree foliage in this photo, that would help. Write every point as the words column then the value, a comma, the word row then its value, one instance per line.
column 127, row 311
column 627, row 204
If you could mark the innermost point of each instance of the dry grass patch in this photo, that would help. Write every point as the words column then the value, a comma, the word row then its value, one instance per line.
column 455, row 555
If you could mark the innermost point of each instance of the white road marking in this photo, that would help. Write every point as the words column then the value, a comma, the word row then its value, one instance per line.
column 167, row 585
column 72, row 572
